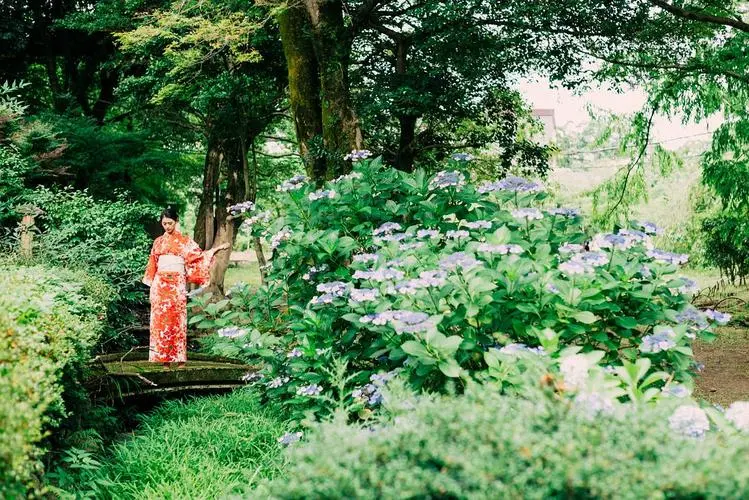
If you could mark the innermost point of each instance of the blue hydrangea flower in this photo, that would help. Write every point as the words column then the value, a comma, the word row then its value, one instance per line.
column 322, row 194
column 615, row 241
column 458, row 260
column 387, row 228
column 411, row 322
column 552, row 288
column 690, row 421
column 292, row 184
column 364, row 294
column 380, row 275
column 457, row 234
column 338, row 288
column 314, row 271
column 676, row 391
column 738, row 415
column 650, row 228
column 295, row 353
column 667, row 257
column 511, row 183
column 593, row 404
column 240, row 208
column 595, row 259
column 515, row 349
column 309, row 390
column 527, row 213
column 357, row 155
column 366, row 258
column 231, row 332
column 571, row 248
column 427, row 233
column 661, row 340
column 462, row 157
column 478, row 224
column 692, row 316
column 277, row 382
column 499, row 249
column 433, row 278
column 411, row 246
column 290, row 438
column 573, row 268
column 719, row 317
column 445, row 179
column 564, row 212
column 281, row 236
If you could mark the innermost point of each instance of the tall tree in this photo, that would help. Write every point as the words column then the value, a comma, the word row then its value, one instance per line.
column 214, row 68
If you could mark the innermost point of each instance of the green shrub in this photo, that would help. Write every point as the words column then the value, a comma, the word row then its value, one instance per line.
column 494, row 270
column 203, row 448
column 105, row 238
column 50, row 319
column 484, row 445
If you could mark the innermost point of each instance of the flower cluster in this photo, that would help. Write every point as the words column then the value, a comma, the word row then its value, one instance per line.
column 231, row 332
column 511, row 183
column 296, row 182
column 322, row 194
column 309, row 390
column 445, row 179
column 358, row 155
column 290, row 438
column 281, row 236
column 663, row 339
column 738, row 415
column 462, row 156
column 240, row 208
column 690, row 421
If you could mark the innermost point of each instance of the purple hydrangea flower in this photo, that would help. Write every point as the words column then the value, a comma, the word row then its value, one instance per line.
column 357, row 155
column 650, row 228
column 572, row 268
column 411, row 246
column 281, row 236
column 277, row 382
column 337, row 288
column 595, row 259
column 380, row 275
column 295, row 353
column 571, row 248
column 457, row 234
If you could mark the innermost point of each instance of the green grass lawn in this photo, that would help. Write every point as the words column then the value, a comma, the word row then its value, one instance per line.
column 248, row 273
column 208, row 447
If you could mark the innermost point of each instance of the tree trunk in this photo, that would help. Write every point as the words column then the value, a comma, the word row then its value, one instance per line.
column 404, row 159
column 236, row 165
column 304, row 86
column 205, row 228
column 332, row 44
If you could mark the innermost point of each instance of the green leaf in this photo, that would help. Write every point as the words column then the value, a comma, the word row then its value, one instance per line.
column 586, row 317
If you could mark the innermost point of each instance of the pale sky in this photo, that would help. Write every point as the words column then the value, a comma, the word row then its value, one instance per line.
column 571, row 107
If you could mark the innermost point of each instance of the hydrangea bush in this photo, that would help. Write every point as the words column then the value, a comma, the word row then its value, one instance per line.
column 442, row 279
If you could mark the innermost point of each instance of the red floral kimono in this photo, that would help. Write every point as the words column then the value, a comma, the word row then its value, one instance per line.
column 175, row 260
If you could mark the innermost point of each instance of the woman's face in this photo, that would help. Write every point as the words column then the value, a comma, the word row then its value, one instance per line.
column 168, row 224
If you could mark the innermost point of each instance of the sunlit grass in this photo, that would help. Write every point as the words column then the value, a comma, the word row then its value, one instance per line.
column 247, row 272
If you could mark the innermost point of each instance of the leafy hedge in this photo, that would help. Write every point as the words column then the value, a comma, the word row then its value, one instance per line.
column 49, row 321
column 484, row 445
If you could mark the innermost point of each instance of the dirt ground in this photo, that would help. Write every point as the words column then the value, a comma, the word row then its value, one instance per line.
column 725, row 377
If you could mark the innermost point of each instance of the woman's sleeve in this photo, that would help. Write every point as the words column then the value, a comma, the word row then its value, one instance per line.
column 197, row 264
column 151, row 266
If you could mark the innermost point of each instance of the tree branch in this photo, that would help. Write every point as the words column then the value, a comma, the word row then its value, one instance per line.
column 701, row 17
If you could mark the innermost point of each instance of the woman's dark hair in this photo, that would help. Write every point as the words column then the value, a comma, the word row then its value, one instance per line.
column 170, row 213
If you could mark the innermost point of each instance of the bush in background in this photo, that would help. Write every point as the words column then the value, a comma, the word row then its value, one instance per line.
column 50, row 319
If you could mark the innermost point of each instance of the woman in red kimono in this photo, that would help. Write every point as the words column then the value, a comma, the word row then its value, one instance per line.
column 175, row 260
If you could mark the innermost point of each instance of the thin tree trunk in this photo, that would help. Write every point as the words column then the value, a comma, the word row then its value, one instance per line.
column 205, row 223
column 227, row 227
column 404, row 159
column 304, row 86
column 332, row 44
